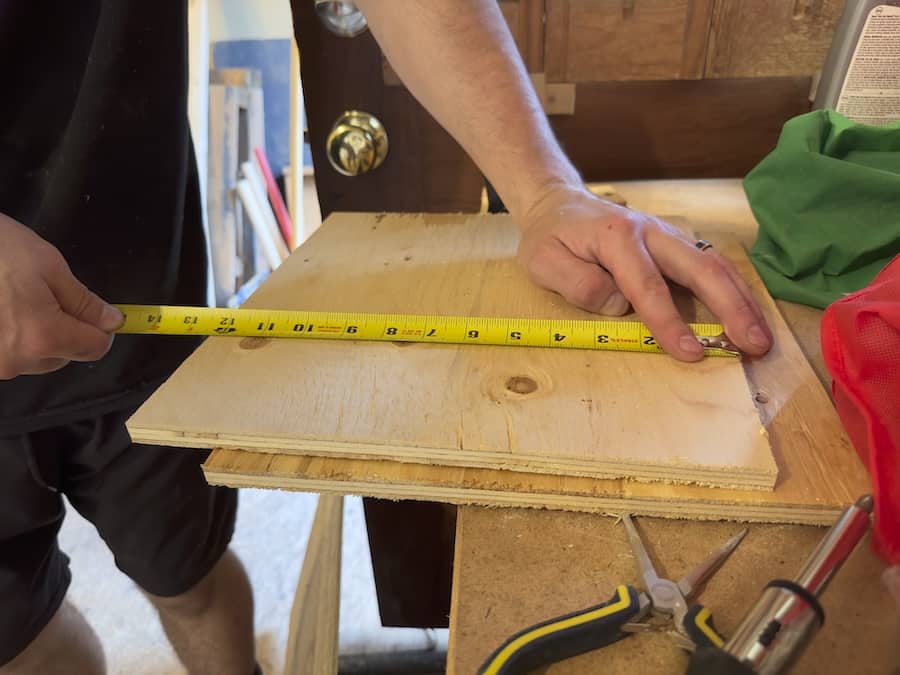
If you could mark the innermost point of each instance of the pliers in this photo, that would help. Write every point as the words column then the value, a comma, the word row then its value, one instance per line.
column 597, row 626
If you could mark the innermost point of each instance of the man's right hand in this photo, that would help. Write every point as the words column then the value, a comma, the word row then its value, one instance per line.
column 47, row 317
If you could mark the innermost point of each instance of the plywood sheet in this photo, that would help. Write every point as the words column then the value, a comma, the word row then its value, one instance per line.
column 601, row 414
column 819, row 471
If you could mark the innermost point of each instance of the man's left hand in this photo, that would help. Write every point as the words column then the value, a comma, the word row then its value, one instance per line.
column 603, row 257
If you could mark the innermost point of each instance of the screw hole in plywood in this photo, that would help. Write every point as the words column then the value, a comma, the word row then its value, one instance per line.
column 761, row 397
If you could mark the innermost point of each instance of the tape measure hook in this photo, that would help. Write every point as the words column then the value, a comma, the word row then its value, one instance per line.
column 719, row 341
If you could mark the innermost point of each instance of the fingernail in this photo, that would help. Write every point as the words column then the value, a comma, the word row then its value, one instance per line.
column 111, row 318
column 690, row 345
column 757, row 337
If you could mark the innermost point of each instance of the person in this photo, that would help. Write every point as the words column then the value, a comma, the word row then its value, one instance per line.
column 99, row 193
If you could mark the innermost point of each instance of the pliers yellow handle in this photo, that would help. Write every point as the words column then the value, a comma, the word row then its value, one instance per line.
column 698, row 626
column 566, row 636
column 569, row 635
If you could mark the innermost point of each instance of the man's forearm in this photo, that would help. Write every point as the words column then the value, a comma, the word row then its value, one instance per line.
column 459, row 60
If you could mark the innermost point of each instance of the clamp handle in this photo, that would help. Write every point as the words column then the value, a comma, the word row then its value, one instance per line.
column 565, row 636
column 698, row 624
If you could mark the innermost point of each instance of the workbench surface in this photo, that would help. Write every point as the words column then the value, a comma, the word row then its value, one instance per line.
column 514, row 567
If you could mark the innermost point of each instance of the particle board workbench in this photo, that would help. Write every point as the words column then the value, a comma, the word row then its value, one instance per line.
column 514, row 567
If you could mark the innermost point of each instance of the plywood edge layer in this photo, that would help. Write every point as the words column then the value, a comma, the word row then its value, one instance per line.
column 754, row 478
column 672, row 509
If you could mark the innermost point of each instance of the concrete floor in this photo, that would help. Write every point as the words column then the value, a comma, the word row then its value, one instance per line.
column 270, row 538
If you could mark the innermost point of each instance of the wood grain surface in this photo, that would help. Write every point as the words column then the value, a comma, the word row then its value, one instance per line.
column 770, row 38
column 312, row 645
column 819, row 472
column 557, row 411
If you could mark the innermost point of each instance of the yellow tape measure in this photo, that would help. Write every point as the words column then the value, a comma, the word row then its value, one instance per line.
column 631, row 336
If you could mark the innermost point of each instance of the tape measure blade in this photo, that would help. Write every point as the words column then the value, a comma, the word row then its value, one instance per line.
column 600, row 334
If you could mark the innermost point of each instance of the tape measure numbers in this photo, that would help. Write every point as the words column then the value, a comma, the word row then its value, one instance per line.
column 631, row 336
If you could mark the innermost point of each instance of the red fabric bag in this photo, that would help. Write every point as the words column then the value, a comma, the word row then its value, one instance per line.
column 861, row 346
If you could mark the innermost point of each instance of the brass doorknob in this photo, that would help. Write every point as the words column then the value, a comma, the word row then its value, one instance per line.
column 341, row 17
column 357, row 143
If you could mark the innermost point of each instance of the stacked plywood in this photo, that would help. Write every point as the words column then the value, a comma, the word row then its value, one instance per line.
column 499, row 425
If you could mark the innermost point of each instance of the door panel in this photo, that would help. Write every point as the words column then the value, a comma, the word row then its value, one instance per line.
column 611, row 40
column 677, row 128
column 525, row 19
column 770, row 38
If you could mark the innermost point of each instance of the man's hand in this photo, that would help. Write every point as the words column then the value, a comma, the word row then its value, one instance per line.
column 47, row 317
column 603, row 257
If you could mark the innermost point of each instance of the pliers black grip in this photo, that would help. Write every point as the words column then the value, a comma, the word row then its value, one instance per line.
column 569, row 635
column 597, row 626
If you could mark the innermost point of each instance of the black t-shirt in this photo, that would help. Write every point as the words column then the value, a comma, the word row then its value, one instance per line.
column 96, row 158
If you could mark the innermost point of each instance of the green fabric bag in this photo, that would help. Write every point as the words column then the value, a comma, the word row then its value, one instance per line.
column 827, row 200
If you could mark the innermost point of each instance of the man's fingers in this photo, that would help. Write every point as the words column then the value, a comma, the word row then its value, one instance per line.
column 716, row 284
column 744, row 289
column 44, row 366
column 77, row 301
column 581, row 283
column 50, row 342
column 84, row 342
column 641, row 282
column 67, row 338
column 10, row 370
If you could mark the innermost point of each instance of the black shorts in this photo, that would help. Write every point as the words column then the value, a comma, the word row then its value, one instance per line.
column 165, row 525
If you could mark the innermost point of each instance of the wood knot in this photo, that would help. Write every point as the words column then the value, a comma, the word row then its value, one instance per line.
column 254, row 342
column 501, row 387
column 521, row 385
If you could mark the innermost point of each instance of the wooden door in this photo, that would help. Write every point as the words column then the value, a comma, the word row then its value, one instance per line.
column 347, row 74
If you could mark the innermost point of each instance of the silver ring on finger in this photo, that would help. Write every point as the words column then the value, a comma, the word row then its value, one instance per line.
column 703, row 245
